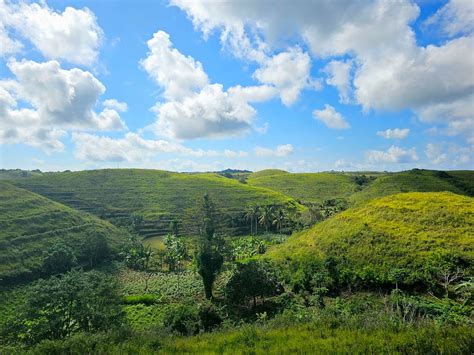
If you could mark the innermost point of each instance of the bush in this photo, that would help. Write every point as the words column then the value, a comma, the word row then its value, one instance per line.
column 147, row 299
column 209, row 316
column 251, row 280
column 182, row 319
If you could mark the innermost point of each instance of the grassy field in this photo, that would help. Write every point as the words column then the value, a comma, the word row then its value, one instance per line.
column 459, row 182
column 30, row 223
column 395, row 232
column 158, row 196
column 310, row 187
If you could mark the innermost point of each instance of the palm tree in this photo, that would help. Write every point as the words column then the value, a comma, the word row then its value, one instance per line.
column 266, row 217
column 256, row 216
column 279, row 219
column 249, row 215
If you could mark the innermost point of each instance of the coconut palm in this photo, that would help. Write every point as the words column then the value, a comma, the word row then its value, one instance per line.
column 279, row 219
column 266, row 217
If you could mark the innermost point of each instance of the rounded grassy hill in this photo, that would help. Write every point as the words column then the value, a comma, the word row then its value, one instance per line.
column 398, row 234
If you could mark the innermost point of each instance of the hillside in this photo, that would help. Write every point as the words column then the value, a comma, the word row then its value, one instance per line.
column 267, row 172
column 306, row 187
column 30, row 223
column 157, row 197
column 399, row 232
column 416, row 180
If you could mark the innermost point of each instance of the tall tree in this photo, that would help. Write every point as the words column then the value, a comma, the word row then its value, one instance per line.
column 266, row 217
column 209, row 257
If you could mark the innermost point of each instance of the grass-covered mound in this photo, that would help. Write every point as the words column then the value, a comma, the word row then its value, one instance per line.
column 30, row 224
column 267, row 172
column 307, row 187
column 416, row 180
column 410, row 239
column 151, row 199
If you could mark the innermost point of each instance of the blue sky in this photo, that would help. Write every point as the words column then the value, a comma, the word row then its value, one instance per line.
column 205, row 85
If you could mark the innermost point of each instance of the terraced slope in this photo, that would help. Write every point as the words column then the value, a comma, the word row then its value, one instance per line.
column 158, row 196
column 459, row 182
column 397, row 232
column 307, row 187
column 30, row 223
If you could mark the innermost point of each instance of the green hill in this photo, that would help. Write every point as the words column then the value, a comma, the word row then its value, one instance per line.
column 157, row 197
column 403, row 233
column 307, row 187
column 30, row 223
column 267, row 172
column 416, row 180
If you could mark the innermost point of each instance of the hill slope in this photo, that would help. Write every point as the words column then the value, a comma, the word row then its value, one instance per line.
column 398, row 232
column 157, row 196
column 307, row 187
column 460, row 182
column 30, row 223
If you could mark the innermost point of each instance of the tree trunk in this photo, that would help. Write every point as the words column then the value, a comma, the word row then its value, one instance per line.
column 208, row 290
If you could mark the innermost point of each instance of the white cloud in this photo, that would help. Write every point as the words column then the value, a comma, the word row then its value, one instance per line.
column 393, row 155
column 434, row 153
column 391, row 72
column 280, row 151
column 44, row 139
column 454, row 18
column 134, row 148
column 395, row 133
column 115, row 105
column 331, row 118
column 339, row 75
column 72, row 35
column 288, row 72
column 44, row 101
column 195, row 108
column 210, row 113
column 177, row 74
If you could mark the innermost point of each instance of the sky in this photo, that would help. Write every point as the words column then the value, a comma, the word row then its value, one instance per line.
column 204, row 85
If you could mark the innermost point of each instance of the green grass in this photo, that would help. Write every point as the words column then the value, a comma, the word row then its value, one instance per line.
column 395, row 232
column 307, row 187
column 158, row 196
column 30, row 223
column 460, row 182
column 267, row 172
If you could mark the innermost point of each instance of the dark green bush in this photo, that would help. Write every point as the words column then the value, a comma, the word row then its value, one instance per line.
column 182, row 319
column 147, row 299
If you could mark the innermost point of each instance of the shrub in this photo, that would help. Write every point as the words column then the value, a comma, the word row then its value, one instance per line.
column 147, row 299
column 182, row 319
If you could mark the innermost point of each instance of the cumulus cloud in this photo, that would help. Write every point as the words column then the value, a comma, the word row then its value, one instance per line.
column 288, row 72
column 393, row 155
column 194, row 107
column 72, row 35
column 177, row 74
column 454, row 18
column 44, row 101
column 339, row 76
column 435, row 154
column 132, row 148
column 331, row 118
column 280, row 151
column 395, row 133
column 115, row 105
column 390, row 71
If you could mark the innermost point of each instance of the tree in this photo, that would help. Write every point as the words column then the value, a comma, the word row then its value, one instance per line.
column 279, row 219
column 266, row 217
column 135, row 254
column 174, row 228
column 60, row 306
column 209, row 257
column 94, row 249
column 176, row 251
column 252, row 280
column 59, row 258
column 249, row 215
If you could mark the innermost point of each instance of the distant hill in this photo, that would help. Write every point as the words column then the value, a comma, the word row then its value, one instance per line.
column 460, row 182
column 397, row 232
column 267, row 172
column 306, row 187
column 123, row 195
column 30, row 223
